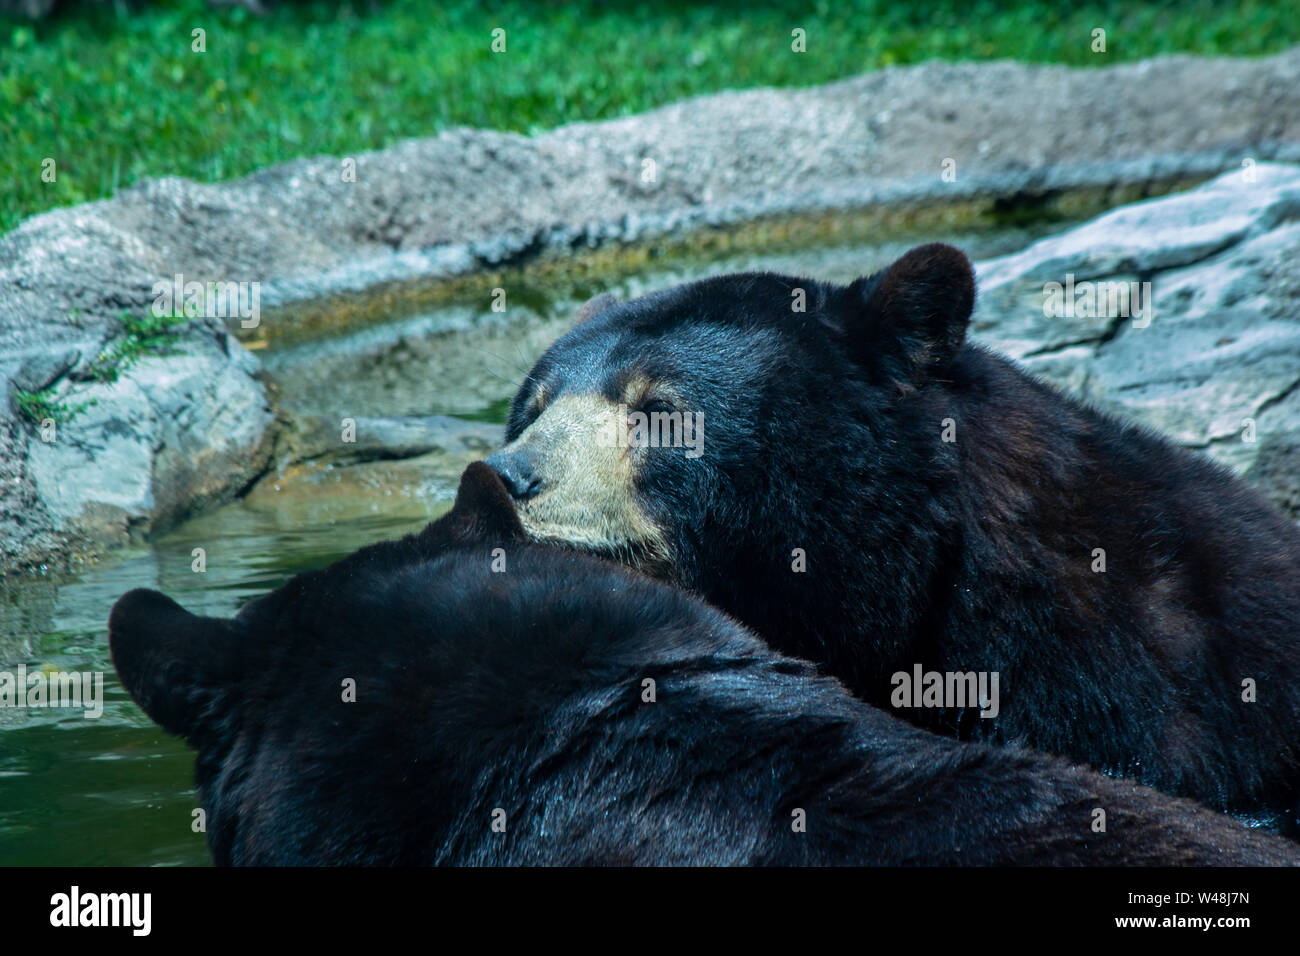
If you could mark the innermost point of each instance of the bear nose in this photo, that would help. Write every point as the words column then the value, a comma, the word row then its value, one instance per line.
column 516, row 471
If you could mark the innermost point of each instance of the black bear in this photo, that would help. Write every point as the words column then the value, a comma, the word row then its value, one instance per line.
column 464, row 696
column 837, row 467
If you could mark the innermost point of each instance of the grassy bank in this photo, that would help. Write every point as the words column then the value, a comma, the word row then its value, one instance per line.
column 112, row 96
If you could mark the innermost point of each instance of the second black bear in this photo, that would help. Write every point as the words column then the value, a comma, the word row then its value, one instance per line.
column 869, row 491
column 512, row 703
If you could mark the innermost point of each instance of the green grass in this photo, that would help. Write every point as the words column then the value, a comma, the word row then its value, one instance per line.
column 114, row 97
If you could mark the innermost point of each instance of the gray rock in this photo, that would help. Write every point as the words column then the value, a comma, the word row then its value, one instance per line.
column 315, row 438
column 1218, row 366
column 174, row 433
column 39, row 372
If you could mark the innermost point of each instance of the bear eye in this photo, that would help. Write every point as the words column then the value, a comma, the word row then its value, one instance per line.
column 656, row 405
column 522, row 416
column 537, row 404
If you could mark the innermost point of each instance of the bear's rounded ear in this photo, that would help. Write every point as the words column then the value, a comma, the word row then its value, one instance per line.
column 912, row 316
column 483, row 512
column 173, row 663
column 593, row 307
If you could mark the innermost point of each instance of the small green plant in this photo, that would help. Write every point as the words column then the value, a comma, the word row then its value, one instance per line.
column 140, row 337
column 42, row 406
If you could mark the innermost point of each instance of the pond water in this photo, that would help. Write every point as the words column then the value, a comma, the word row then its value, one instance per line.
column 116, row 790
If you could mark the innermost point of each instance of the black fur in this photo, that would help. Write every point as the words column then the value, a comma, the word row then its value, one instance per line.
column 523, row 690
column 823, row 431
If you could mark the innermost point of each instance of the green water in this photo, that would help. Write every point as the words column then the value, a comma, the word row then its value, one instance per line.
column 116, row 790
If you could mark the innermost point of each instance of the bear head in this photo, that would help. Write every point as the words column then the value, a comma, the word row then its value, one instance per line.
column 186, row 671
column 349, row 716
column 666, row 431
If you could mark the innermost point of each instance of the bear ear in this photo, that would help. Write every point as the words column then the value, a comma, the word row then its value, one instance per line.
column 484, row 511
column 911, row 318
column 173, row 663
column 593, row 307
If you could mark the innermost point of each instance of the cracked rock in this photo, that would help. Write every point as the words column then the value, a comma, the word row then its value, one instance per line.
column 1218, row 366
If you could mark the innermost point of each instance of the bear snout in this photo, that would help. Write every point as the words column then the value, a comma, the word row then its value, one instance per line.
column 517, row 472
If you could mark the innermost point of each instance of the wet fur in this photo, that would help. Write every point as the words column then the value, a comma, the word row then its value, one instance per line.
column 522, row 691
column 825, row 435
